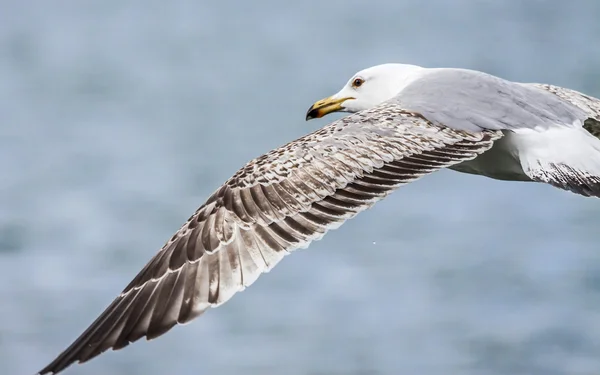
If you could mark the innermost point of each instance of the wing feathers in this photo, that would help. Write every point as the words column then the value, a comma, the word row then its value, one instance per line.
column 275, row 204
column 568, row 178
column 572, row 163
column 167, row 288
column 139, row 318
column 139, row 329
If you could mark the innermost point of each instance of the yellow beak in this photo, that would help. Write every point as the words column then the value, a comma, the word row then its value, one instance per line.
column 324, row 107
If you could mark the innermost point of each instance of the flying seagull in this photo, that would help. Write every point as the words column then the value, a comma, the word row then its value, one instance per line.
column 408, row 123
column 550, row 134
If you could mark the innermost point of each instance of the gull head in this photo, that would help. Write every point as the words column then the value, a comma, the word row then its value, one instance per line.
column 366, row 89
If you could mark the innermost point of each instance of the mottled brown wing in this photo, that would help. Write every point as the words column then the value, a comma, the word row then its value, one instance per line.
column 278, row 202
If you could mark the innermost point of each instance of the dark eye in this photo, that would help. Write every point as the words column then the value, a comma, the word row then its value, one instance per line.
column 358, row 82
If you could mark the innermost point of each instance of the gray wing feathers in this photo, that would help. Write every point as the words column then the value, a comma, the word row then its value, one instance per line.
column 278, row 202
column 471, row 100
column 589, row 104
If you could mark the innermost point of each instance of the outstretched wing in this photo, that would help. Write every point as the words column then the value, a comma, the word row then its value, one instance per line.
column 278, row 202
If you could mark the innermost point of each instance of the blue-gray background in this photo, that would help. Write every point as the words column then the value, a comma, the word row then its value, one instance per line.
column 117, row 119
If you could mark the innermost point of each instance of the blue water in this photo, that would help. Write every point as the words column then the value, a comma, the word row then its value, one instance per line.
column 117, row 119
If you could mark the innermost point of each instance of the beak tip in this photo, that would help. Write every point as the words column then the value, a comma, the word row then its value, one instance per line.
column 311, row 113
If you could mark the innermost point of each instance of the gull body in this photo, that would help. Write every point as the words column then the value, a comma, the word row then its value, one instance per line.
column 547, row 129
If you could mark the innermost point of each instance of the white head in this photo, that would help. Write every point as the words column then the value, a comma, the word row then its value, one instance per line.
column 366, row 89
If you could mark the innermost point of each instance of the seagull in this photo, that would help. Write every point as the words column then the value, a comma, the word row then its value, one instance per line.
column 407, row 123
column 550, row 134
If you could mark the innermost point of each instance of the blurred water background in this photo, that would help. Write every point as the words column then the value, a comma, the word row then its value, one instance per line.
column 117, row 119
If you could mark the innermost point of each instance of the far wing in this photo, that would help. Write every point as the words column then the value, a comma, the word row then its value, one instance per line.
column 573, row 161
